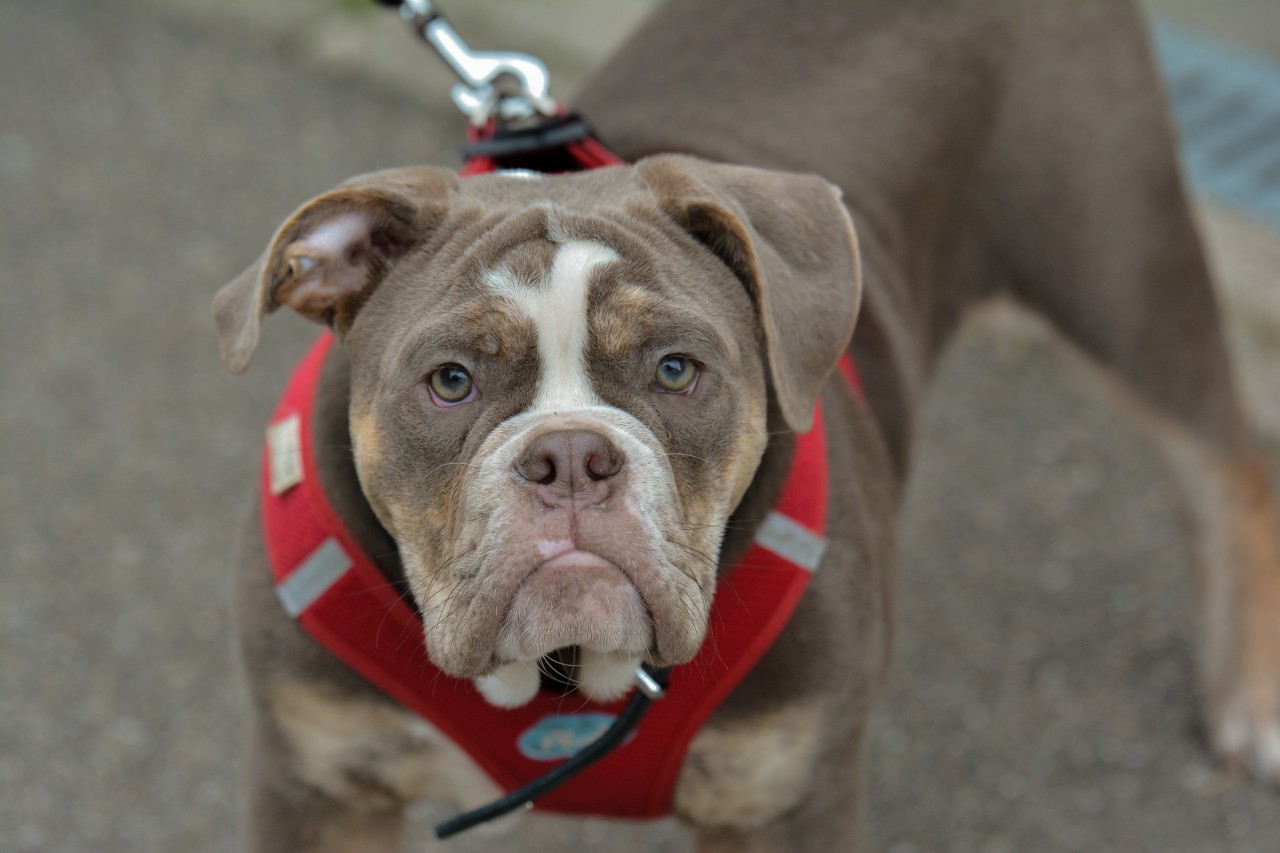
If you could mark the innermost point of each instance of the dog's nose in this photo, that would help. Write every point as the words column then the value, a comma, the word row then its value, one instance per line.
column 571, row 465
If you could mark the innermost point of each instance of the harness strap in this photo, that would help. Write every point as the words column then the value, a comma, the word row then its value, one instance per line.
column 561, row 144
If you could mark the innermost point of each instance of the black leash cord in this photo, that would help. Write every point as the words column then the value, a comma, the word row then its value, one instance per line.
column 590, row 754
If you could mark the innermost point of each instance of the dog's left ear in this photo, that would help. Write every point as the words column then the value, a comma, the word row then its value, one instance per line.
column 327, row 257
column 789, row 239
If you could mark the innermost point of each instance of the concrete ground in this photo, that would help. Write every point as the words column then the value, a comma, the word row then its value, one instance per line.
column 1043, row 696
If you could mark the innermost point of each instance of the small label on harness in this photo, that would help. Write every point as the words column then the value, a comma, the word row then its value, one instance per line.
column 284, row 447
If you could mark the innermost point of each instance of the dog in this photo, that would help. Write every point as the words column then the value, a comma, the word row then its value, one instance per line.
column 560, row 408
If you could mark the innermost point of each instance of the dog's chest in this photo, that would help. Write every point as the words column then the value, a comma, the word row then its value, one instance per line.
column 738, row 774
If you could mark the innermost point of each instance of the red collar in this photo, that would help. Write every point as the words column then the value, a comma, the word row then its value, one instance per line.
column 339, row 597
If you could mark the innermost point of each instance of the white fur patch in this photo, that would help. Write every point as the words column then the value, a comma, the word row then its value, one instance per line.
column 605, row 676
column 510, row 685
column 1267, row 759
column 549, row 548
column 558, row 309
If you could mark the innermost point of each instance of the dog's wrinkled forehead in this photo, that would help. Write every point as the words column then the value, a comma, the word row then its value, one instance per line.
column 554, row 298
column 569, row 303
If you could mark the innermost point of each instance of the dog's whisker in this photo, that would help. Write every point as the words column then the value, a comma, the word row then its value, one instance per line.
column 690, row 456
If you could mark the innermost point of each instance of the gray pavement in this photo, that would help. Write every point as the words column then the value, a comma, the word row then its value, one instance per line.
column 1042, row 698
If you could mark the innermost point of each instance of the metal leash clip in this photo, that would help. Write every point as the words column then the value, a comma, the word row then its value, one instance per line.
column 502, row 86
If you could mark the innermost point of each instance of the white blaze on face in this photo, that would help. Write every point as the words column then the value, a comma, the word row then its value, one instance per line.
column 558, row 309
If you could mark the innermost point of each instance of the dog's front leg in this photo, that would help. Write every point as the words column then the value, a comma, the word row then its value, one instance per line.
column 786, row 781
column 289, row 815
column 804, row 830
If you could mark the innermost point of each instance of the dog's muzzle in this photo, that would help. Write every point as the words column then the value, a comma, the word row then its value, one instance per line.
column 570, row 536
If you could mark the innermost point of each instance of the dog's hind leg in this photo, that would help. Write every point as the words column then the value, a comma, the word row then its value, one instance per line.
column 1228, row 498
column 1190, row 409
column 1227, row 495
column 1090, row 217
column 1233, row 511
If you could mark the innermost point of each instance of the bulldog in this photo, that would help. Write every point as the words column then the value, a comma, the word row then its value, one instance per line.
column 559, row 408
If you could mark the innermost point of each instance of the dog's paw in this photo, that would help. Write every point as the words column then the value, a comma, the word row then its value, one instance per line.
column 605, row 676
column 1239, row 551
column 1246, row 730
column 1244, row 706
column 510, row 685
column 1244, row 685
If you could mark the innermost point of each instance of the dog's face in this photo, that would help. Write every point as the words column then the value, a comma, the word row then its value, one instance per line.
column 560, row 388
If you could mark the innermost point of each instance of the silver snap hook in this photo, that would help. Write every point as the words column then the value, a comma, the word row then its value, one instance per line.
column 483, row 93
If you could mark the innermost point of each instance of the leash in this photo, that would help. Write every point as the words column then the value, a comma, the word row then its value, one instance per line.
column 651, row 686
column 515, row 124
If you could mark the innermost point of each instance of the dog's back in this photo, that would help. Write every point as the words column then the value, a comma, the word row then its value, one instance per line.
column 983, row 148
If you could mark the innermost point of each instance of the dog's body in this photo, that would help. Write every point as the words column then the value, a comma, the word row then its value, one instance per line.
column 982, row 149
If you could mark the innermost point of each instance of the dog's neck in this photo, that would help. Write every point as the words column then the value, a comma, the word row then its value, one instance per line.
column 336, row 464
column 764, row 491
column 331, row 439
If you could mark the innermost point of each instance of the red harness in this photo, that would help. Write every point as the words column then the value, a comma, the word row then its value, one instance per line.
column 338, row 595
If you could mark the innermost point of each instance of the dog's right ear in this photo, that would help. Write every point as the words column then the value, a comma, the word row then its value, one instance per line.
column 331, row 254
column 789, row 239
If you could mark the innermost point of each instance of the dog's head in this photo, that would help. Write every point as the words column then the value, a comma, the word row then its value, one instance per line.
column 559, row 387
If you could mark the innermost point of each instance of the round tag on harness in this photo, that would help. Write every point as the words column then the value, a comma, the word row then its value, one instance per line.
column 559, row 736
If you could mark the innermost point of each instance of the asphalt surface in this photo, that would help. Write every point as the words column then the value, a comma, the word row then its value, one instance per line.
column 1043, row 695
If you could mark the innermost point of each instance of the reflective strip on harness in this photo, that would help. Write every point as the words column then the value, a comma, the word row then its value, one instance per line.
column 792, row 541
column 312, row 579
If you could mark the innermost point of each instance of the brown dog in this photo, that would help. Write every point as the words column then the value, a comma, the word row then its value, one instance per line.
column 638, row 344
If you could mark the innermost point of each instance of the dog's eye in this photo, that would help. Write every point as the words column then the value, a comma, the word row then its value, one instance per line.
column 676, row 374
column 451, row 385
